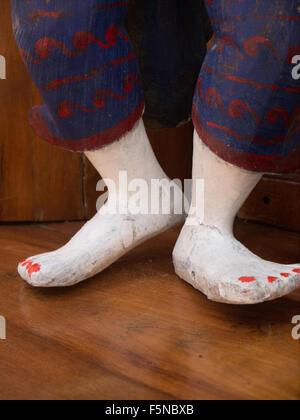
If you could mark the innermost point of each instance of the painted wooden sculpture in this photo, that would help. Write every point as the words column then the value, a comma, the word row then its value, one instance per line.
column 245, row 111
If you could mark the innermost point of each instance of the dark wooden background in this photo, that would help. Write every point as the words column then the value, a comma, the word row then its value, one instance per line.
column 39, row 182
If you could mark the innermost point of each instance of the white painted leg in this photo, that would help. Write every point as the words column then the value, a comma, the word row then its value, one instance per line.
column 106, row 238
column 209, row 257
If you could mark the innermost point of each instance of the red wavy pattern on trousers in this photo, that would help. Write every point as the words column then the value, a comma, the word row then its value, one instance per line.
column 43, row 48
column 236, row 110
column 280, row 17
column 226, row 40
column 128, row 82
column 250, row 82
column 65, row 108
column 267, row 142
column 100, row 97
column 250, row 161
column 199, row 88
column 25, row 54
column 81, row 42
column 94, row 142
column 213, row 97
column 274, row 114
column 251, row 46
column 112, row 5
column 243, row 137
column 83, row 39
column 58, row 83
column 36, row 14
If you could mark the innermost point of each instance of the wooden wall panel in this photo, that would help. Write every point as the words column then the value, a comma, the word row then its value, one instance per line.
column 275, row 201
column 38, row 182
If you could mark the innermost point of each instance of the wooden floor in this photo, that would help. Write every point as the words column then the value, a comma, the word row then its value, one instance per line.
column 138, row 332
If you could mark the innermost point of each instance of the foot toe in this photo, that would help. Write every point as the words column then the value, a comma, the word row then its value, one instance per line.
column 33, row 271
column 28, row 268
column 242, row 294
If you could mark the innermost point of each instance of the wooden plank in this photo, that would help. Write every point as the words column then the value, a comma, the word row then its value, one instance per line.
column 275, row 202
column 295, row 177
column 138, row 332
column 37, row 181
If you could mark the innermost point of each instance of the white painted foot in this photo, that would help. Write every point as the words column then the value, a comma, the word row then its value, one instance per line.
column 101, row 242
column 209, row 257
column 225, row 271
column 107, row 237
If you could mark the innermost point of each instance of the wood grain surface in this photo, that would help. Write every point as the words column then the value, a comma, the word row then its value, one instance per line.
column 137, row 331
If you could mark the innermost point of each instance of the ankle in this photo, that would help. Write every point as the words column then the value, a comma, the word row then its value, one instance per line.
column 157, row 197
column 221, row 226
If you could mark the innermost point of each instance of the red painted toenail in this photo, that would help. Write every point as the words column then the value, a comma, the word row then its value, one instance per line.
column 31, row 268
column 297, row 270
column 247, row 279
column 285, row 274
column 272, row 279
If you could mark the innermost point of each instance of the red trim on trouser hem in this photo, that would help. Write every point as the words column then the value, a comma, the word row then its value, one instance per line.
column 94, row 142
column 249, row 161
